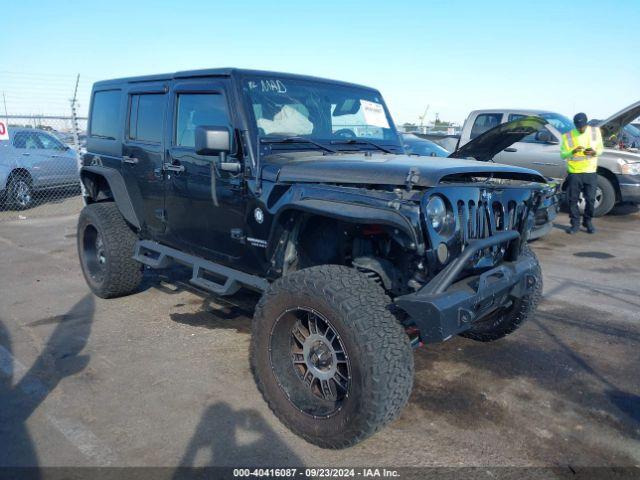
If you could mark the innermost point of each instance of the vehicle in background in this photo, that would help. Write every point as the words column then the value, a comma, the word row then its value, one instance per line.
column 447, row 141
column 618, row 170
column 628, row 138
column 67, row 138
column 414, row 145
column 33, row 161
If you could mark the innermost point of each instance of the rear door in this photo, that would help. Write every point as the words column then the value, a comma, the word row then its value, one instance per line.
column 143, row 151
column 204, row 204
column 533, row 153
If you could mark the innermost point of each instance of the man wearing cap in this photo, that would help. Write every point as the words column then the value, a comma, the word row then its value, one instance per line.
column 581, row 148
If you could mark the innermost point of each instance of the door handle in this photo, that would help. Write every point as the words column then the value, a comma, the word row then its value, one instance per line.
column 510, row 149
column 26, row 154
column 127, row 159
column 173, row 167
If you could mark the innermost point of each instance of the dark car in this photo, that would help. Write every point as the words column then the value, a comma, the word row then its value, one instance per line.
column 299, row 188
column 626, row 138
column 414, row 145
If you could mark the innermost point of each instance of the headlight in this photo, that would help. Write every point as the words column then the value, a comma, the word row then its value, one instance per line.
column 630, row 168
column 437, row 214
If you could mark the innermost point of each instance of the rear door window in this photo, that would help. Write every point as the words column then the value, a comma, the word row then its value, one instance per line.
column 105, row 114
column 197, row 109
column 146, row 114
column 484, row 122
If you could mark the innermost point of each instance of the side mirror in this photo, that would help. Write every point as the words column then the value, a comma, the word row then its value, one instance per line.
column 212, row 140
column 545, row 136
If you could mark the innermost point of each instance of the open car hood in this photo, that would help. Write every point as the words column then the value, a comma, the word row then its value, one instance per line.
column 612, row 125
column 486, row 146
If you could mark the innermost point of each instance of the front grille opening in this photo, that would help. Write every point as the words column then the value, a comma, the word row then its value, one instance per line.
column 471, row 228
column 498, row 215
column 511, row 208
column 517, row 179
column 482, row 219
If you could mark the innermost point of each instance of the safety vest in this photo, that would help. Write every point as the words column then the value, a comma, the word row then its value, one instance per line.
column 581, row 163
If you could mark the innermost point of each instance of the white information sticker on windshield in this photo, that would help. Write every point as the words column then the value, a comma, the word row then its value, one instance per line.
column 374, row 114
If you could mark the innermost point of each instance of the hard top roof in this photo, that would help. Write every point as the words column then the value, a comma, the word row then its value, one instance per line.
column 216, row 72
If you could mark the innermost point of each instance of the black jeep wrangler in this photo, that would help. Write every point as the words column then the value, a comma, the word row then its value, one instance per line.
column 300, row 188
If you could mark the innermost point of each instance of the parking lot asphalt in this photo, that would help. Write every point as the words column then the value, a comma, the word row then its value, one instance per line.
column 162, row 378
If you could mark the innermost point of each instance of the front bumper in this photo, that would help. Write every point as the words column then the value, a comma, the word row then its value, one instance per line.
column 629, row 188
column 446, row 307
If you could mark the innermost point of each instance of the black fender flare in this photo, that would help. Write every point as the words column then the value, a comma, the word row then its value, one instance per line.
column 121, row 195
column 353, row 213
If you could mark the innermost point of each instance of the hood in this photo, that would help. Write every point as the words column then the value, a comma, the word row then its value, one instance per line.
column 612, row 125
column 385, row 169
column 486, row 146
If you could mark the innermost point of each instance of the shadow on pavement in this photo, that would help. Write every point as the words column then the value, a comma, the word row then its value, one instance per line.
column 59, row 358
column 232, row 312
column 42, row 197
column 228, row 437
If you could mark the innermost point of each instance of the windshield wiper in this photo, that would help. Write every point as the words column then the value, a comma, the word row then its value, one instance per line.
column 353, row 141
column 297, row 140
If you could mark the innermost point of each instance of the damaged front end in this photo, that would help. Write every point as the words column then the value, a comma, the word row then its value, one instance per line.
column 474, row 266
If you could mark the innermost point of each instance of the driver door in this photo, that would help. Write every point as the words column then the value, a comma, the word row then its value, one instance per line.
column 204, row 204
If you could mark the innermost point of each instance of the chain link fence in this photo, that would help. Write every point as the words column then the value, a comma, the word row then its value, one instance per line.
column 45, row 117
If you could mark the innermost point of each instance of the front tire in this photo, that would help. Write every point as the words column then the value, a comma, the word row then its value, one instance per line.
column 105, row 246
column 331, row 360
column 20, row 193
column 506, row 321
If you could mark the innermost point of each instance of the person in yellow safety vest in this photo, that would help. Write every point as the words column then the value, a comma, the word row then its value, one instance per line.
column 581, row 148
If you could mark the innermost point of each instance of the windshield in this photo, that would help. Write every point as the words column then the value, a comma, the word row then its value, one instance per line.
column 560, row 122
column 632, row 130
column 324, row 112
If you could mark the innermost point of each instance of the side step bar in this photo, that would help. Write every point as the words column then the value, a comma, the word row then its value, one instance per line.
column 156, row 255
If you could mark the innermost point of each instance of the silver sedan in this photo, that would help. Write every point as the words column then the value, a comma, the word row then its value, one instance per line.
column 33, row 161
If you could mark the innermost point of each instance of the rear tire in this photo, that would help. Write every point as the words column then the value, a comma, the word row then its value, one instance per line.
column 314, row 314
column 106, row 245
column 507, row 321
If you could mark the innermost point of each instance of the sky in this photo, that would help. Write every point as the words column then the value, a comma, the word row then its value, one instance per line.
column 453, row 56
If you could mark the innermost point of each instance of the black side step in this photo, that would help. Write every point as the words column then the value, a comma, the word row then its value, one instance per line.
column 156, row 255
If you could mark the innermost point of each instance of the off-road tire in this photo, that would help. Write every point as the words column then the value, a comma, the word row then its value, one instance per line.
column 379, row 352
column 504, row 322
column 121, row 275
